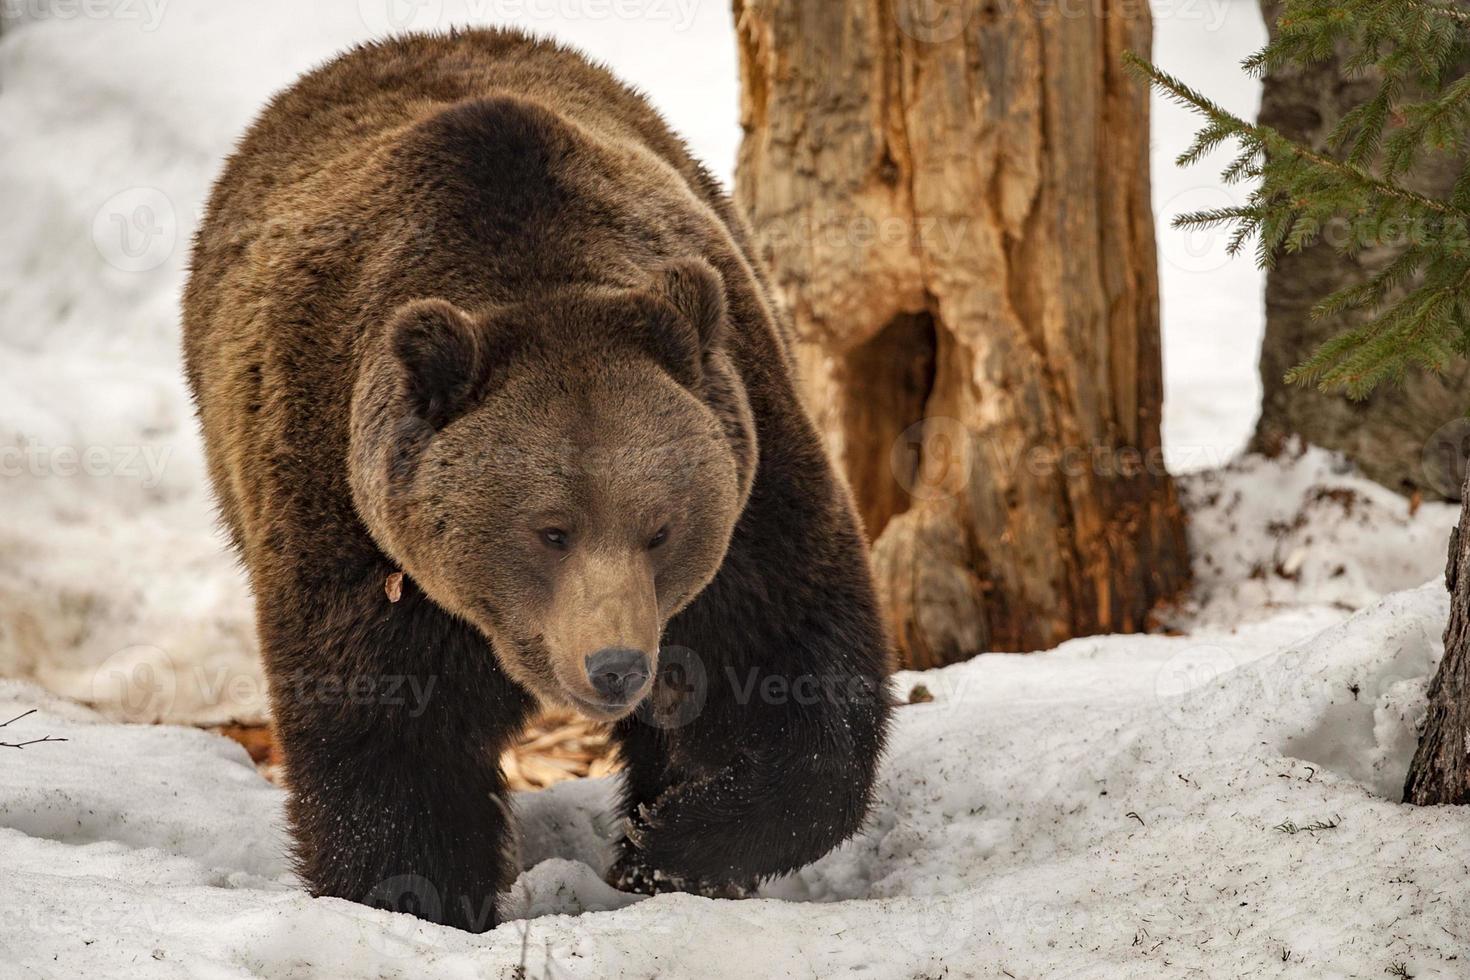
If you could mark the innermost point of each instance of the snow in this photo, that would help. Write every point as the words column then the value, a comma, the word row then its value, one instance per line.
column 1217, row 802
column 1304, row 530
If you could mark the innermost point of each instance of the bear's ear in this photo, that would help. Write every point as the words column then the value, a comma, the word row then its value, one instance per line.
column 681, row 316
column 444, row 356
column 697, row 291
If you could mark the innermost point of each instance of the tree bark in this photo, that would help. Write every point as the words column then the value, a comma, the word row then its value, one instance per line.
column 1410, row 437
column 1440, row 772
column 953, row 199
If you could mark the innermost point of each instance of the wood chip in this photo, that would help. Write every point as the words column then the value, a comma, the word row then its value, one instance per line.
column 555, row 747
column 394, row 587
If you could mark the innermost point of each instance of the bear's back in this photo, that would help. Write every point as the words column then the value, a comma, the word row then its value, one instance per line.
column 303, row 160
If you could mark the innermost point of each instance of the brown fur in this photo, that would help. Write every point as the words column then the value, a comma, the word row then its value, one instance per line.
column 450, row 293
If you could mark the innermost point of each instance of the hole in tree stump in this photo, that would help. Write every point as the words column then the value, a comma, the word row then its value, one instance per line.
column 886, row 383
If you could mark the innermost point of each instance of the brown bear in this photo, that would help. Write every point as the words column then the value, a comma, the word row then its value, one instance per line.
column 463, row 308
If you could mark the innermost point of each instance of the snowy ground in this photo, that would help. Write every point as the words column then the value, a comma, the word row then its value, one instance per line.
column 1217, row 803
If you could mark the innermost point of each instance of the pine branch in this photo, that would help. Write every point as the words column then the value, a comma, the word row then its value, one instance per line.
column 1272, row 140
column 1417, row 306
column 1438, row 10
column 1369, row 181
column 1412, row 331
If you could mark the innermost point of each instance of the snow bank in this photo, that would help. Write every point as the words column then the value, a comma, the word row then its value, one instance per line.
column 1217, row 805
column 1304, row 529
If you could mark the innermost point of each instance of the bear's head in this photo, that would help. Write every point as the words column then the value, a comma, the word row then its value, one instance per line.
column 564, row 473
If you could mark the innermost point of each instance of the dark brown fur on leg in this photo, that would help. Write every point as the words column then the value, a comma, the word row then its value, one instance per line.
column 772, row 763
column 391, row 717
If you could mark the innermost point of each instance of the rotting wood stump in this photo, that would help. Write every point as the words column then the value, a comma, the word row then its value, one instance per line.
column 953, row 199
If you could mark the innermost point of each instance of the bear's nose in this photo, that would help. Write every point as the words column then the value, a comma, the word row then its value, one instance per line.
column 617, row 673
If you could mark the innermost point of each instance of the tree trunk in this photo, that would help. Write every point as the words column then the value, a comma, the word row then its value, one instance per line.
column 1411, row 437
column 953, row 199
column 1440, row 772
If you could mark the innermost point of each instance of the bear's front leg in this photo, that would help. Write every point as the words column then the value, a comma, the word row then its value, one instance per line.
column 757, row 749
column 776, row 772
column 391, row 722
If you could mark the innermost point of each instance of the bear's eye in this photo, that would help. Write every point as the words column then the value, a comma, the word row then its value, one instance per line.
column 554, row 537
column 659, row 538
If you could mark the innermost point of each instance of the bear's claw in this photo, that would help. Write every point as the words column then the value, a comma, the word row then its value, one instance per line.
column 630, row 873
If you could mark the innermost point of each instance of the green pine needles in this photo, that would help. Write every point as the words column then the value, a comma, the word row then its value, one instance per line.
column 1353, row 195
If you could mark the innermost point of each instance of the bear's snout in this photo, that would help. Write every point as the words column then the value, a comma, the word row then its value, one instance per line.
column 618, row 674
column 602, row 631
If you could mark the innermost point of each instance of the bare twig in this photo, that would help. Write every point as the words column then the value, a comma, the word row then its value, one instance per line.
column 1288, row 827
column 32, row 741
column 19, row 717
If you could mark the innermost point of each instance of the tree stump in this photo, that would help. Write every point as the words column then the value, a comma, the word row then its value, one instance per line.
column 953, row 199
column 1440, row 772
